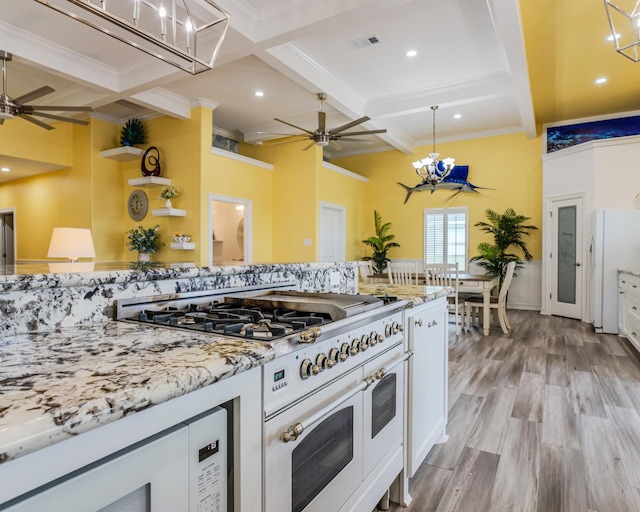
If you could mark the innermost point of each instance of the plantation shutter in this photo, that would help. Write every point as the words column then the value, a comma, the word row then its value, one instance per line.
column 445, row 236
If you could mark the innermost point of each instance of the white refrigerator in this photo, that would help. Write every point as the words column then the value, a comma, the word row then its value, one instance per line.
column 614, row 244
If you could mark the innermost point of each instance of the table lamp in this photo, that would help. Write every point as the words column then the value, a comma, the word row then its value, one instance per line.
column 71, row 243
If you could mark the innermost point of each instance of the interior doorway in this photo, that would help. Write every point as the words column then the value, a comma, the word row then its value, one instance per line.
column 332, row 232
column 230, row 230
column 7, row 240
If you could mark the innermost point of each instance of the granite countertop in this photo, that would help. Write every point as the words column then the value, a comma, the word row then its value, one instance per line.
column 59, row 384
column 414, row 294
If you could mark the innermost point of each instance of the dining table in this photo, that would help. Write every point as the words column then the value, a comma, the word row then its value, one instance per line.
column 467, row 283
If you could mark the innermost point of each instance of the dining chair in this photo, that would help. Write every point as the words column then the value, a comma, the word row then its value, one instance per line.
column 402, row 273
column 500, row 302
column 446, row 274
column 366, row 271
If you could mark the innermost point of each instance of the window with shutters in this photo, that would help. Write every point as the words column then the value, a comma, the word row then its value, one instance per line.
column 446, row 236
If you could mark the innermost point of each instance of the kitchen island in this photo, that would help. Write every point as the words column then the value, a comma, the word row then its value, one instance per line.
column 132, row 381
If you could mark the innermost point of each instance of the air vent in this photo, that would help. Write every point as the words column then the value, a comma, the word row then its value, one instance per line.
column 364, row 41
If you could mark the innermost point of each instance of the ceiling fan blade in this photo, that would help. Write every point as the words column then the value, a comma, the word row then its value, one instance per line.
column 322, row 121
column 58, row 108
column 313, row 143
column 335, row 145
column 59, row 118
column 345, row 139
column 365, row 132
column 33, row 95
column 349, row 125
column 36, row 121
column 293, row 125
column 283, row 134
column 288, row 141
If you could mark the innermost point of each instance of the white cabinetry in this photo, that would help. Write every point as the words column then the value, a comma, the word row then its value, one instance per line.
column 428, row 373
column 629, row 307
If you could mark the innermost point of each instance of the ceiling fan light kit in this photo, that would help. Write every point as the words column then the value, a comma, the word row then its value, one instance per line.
column 187, row 34
column 625, row 27
column 323, row 137
column 19, row 107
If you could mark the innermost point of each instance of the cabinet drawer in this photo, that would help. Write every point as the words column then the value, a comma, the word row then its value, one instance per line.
column 633, row 332
column 629, row 282
column 632, row 307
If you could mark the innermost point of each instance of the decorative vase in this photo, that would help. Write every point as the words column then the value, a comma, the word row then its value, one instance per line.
column 144, row 256
column 167, row 204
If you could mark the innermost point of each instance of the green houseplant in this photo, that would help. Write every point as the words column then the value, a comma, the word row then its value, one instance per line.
column 132, row 133
column 508, row 230
column 380, row 243
column 145, row 241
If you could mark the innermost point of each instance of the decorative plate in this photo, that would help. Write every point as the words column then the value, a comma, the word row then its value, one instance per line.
column 138, row 204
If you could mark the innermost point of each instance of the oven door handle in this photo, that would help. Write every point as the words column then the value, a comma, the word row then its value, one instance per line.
column 296, row 430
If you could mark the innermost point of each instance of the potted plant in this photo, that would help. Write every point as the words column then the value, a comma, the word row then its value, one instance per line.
column 508, row 230
column 132, row 133
column 381, row 242
column 167, row 193
column 145, row 241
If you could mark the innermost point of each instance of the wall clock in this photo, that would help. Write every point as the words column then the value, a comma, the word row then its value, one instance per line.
column 138, row 205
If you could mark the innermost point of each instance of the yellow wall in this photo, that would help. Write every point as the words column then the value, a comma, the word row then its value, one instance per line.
column 508, row 165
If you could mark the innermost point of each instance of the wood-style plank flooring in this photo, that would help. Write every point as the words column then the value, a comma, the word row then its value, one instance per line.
column 544, row 419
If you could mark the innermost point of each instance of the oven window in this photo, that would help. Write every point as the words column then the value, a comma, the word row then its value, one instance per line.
column 383, row 403
column 320, row 457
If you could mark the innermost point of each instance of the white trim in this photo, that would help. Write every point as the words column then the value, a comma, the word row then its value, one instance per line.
column 165, row 101
column 226, row 133
column 204, row 102
column 12, row 211
column 342, row 235
column 241, row 158
column 473, row 135
column 248, row 224
column 340, row 170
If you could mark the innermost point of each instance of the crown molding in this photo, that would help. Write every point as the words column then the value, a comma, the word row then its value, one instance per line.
column 204, row 102
column 164, row 101
column 345, row 172
column 473, row 135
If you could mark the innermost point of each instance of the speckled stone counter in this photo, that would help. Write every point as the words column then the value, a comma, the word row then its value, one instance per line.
column 414, row 294
column 59, row 384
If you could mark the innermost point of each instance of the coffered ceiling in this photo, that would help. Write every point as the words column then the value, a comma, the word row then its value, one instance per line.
column 502, row 65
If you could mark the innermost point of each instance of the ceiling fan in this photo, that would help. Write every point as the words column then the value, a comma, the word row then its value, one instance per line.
column 321, row 136
column 10, row 107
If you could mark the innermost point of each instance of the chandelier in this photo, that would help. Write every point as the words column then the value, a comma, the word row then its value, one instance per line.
column 184, row 33
column 431, row 169
column 625, row 28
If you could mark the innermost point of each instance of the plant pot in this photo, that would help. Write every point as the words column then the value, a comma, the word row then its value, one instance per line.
column 144, row 256
column 167, row 204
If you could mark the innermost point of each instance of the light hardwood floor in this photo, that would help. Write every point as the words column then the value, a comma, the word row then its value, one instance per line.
column 544, row 419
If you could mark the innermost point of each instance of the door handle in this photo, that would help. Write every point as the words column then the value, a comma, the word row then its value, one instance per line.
column 576, row 264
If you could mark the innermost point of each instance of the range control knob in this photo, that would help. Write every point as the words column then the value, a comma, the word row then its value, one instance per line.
column 381, row 338
column 394, row 327
column 334, row 358
column 401, row 327
column 344, row 352
column 321, row 361
column 305, row 369
column 373, row 338
column 364, row 343
column 355, row 347
column 387, row 330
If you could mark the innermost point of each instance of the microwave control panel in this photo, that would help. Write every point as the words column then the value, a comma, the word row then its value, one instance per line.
column 208, row 461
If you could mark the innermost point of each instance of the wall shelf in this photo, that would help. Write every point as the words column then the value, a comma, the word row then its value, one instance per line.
column 183, row 246
column 123, row 153
column 169, row 212
column 149, row 181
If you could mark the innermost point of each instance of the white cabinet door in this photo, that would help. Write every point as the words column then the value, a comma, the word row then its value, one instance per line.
column 428, row 373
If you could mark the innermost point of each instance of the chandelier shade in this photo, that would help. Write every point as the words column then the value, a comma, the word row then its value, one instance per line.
column 431, row 169
column 624, row 21
column 187, row 34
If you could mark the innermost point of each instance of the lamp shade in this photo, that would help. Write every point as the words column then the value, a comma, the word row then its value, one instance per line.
column 72, row 243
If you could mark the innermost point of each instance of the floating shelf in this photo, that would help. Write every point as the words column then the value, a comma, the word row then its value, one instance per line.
column 168, row 212
column 123, row 153
column 183, row 246
column 149, row 181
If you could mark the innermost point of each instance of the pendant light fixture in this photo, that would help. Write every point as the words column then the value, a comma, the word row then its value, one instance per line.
column 431, row 169
column 625, row 27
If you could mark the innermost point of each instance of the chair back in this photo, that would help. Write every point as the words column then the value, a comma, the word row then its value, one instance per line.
column 402, row 273
column 441, row 274
column 511, row 267
column 366, row 271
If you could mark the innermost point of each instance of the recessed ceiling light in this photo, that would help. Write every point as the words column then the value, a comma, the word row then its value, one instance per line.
column 610, row 37
column 457, row 116
column 601, row 80
column 4, row 169
column 259, row 94
column 411, row 53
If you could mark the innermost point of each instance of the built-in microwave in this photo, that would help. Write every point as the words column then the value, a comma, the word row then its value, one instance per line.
column 182, row 469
